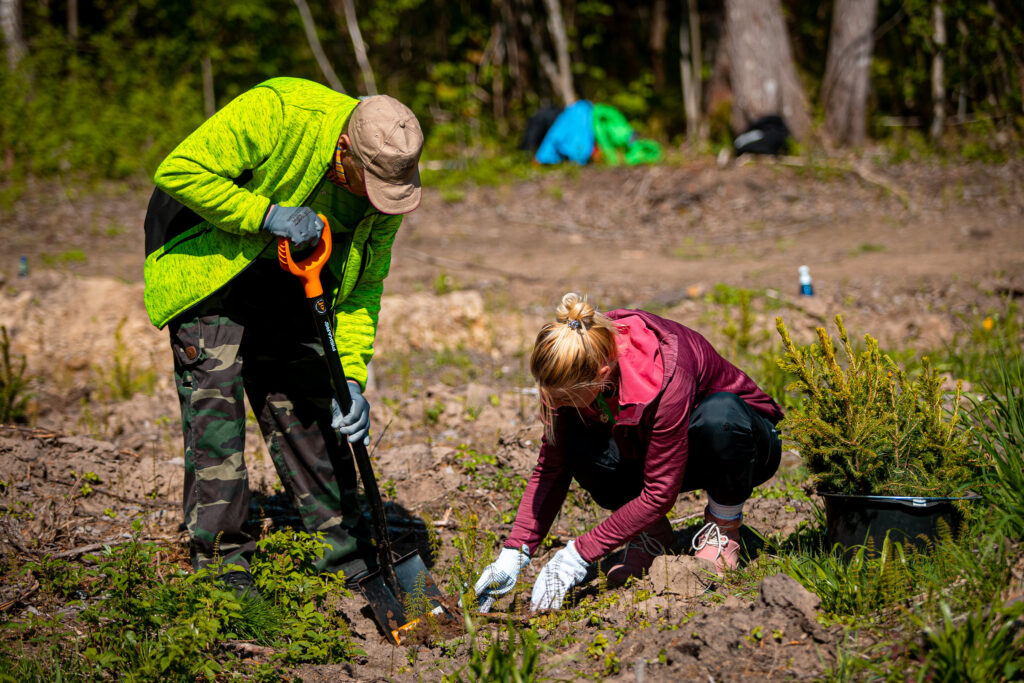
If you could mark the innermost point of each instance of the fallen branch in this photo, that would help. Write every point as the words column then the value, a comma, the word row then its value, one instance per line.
column 108, row 492
column 111, row 542
column 248, row 649
column 35, row 432
column 5, row 606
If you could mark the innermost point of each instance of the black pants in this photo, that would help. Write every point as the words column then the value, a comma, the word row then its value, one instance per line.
column 732, row 449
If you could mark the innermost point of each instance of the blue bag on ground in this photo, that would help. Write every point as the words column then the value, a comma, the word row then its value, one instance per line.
column 570, row 137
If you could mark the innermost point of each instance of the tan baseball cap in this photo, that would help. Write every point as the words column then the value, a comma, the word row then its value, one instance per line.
column 388, row 140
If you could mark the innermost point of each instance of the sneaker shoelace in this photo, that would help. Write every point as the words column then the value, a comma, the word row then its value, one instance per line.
column 710, row 534
column 646, row 542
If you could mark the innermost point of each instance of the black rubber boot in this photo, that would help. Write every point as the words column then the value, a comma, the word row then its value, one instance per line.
column 241, row 583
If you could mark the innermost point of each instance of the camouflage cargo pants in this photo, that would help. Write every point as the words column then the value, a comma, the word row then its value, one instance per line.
column 256, row 336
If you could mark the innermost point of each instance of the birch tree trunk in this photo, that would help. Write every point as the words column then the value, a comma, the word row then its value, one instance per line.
column 556, row 27
column 346, row 9
column 762, row 74
column 938, row 73
column 314, row 44
column 847, row 70
column 690, row 69
column 10, row 24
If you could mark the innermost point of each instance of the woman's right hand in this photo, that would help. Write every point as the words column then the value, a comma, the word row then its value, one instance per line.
column 499, row 577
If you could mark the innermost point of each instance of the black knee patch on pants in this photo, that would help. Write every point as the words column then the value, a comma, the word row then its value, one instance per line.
column 732, row 449
column 598, row 466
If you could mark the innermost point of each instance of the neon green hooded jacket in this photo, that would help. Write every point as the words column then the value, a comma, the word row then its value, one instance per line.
column 272, row 144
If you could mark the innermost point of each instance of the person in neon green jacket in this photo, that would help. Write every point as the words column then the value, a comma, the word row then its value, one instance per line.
column 261, row 169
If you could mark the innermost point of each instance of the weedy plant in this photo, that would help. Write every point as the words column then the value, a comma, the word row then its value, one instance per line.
column 985, row 645
column 869, row 428
column 977, row 354
column 516, row 659
column 14, row 393
column 998, row 426
column 123, row 380
column 474, row 547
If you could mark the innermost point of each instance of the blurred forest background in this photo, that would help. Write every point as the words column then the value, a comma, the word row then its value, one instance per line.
column 105, row 88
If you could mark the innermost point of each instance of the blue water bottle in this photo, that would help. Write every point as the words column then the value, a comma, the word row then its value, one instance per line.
column 806, row 288
column 23, row 267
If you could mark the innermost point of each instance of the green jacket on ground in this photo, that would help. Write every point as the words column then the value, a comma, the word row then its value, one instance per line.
column 272, row 144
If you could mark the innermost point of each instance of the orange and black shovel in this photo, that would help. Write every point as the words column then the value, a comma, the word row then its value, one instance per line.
column 398, row 584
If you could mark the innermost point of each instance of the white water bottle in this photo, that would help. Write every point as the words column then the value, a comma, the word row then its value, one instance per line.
column 806, row 288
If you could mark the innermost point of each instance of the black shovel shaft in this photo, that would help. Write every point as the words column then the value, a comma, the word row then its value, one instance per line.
column 380, row 528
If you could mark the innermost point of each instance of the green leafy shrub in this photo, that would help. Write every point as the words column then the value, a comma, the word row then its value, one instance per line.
column 285, row 571
column 869, row 428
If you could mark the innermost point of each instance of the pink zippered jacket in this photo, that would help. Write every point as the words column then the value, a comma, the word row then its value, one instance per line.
column 665, row 371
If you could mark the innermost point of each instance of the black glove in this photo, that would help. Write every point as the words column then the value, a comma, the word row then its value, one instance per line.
column 299, row 224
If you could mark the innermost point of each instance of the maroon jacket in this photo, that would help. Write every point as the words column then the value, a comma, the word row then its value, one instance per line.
column 665, row 370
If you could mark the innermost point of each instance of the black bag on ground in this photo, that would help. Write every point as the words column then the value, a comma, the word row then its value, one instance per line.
column 537, row 127
column 767, row 135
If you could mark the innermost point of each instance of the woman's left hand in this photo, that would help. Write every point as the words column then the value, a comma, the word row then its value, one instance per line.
column 565, row 570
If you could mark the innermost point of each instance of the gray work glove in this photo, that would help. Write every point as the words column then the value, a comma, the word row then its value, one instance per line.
column 499, row 577
column 355, row 425
column 298, row 224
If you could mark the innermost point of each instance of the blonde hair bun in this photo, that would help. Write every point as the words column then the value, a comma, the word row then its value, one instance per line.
column 575, row 307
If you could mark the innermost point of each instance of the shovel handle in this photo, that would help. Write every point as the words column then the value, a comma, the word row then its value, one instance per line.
column 308, row 269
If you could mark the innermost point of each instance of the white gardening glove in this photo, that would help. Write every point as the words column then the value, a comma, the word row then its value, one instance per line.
column 565, row 570
column 499, row 577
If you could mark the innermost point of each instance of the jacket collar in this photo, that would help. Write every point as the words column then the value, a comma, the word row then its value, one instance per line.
column 336, row 113
column 645, row 365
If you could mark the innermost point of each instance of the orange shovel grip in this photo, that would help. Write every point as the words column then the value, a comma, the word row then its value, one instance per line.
column 307, row 270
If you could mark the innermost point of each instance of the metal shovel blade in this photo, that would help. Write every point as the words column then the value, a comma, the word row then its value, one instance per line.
column 415, row 579
column 389, row 609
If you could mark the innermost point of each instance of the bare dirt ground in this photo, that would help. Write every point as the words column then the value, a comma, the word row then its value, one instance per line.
column 907, row 253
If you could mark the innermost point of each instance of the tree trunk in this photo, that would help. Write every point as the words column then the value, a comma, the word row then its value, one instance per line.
column 845, row 87
column 556, row 27
column 938, row 73
column 546, row 65
column 659, row 30
column 690, row 68
column 10, row 24
column 73, row 21
column 314, row 44
column 346, row 10
column 209, row 101
column 494, row 55
column 762, row 74
column 961, row 100
column 517, row 60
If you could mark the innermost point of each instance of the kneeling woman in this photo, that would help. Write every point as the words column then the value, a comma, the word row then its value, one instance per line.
column 637, row 409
